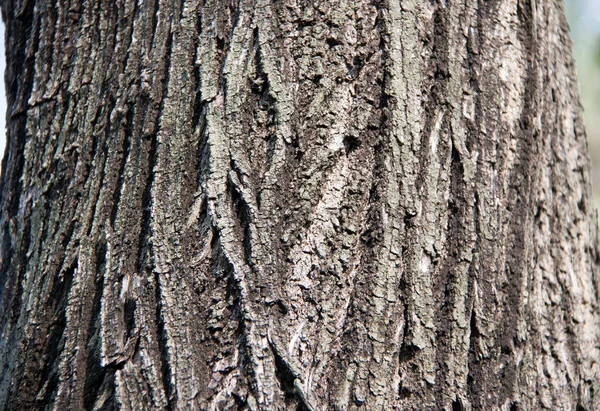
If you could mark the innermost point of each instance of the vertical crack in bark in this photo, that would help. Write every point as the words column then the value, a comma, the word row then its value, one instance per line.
column 165, row 369
column 127, row 131
column 290, row 378
column 25, row 37
column 162, row 263
column 220, row 212
column 49, row 380
column 95, row 372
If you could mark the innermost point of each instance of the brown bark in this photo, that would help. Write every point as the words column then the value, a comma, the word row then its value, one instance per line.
column 287, row 205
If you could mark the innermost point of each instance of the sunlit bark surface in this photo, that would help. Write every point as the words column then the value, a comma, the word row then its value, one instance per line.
column 295, row 205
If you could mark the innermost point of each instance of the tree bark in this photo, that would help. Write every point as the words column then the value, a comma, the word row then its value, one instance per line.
column 296, row 205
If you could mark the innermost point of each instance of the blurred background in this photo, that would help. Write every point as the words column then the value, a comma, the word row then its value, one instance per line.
column 584, row 20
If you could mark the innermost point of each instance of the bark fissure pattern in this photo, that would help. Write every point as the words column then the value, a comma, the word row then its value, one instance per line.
column 273, row 205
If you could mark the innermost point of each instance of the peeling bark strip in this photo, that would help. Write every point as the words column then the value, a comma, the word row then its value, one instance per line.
column 284, row 205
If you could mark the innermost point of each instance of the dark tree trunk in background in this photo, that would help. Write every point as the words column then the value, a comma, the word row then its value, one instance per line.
column 296, row 205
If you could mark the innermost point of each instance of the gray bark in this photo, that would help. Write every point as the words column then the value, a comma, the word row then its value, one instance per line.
column 289, row 205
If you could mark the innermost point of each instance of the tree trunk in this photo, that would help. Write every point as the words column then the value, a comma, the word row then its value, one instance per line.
column 289, row 205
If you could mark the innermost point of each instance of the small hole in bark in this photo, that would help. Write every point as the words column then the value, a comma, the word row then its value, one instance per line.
column 221, row 43
column 408, row 352
column 255, row 36
column 580, row 408
column 457, row 405
column 282, row 307
column 402, row 284
column 129, row 314
column 351, row 143
column 513, row 407
column 453, row 207
column 404, row 393
column 331, row 42
column 474, row 330
column 409, row 220
column 215, row 238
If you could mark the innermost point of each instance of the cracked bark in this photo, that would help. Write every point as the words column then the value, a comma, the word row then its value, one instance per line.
column 262, row 205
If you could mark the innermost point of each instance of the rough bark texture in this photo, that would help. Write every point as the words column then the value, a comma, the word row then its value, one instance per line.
column 296, row 205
